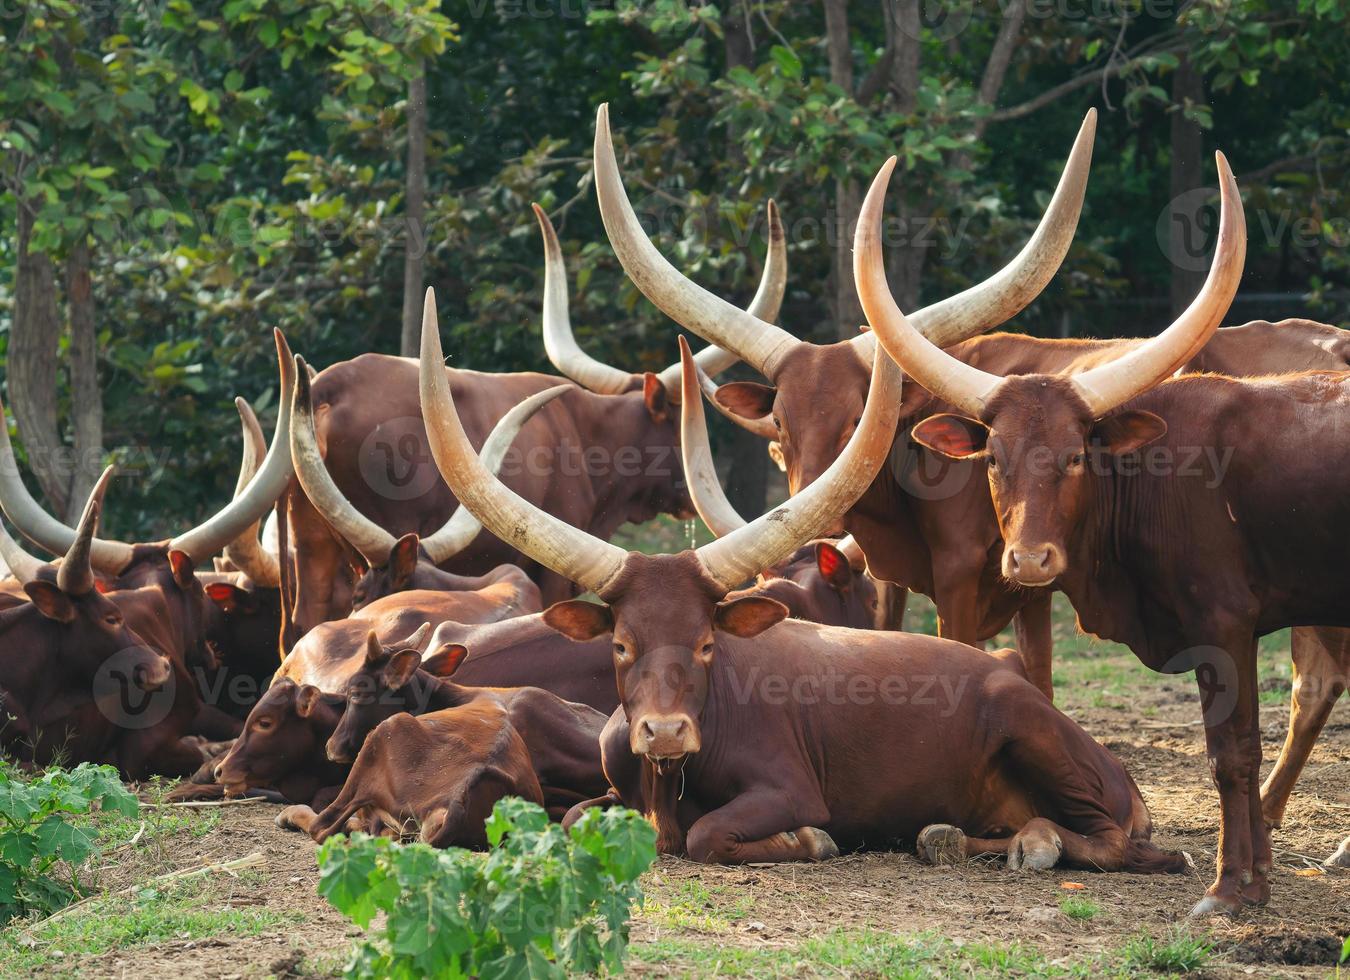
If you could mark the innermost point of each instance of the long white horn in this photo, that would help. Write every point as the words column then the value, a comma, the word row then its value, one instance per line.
column 1010, row 290
column 955, row 381
column 35, row 524
column 463, row 527
column 774, row 536
column 249, row 507
column 22, row 565
column 246, row 552
column 1116, row 382
column 759, row 344
column 586, row 560
column 700, row 475
column 372, row 541
column 768, row 301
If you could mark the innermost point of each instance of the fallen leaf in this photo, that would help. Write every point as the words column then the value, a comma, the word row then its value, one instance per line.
column 1072, row 886
column 1309, row 872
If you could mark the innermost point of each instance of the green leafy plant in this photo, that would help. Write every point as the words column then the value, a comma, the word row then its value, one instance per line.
column 37, row 837
column 541, row 903
column 1079, row 909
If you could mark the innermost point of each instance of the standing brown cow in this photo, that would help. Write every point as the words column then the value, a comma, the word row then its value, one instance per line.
column 732, row 770
column 1096, row 498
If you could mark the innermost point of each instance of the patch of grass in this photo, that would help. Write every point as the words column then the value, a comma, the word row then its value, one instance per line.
column 1180, row 952
column 694, row 906
column 188, row 910
column 1078, row 908
column 841, row 952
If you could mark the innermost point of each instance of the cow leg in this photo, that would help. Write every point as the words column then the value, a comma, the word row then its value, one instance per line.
column 1341, row 859
column 1034, row 642
column 610, row 799
column 324, row 562
column 1233, row 745
column 1319, row 681
column 763, row 825
column 891, row 602
column 298, row 817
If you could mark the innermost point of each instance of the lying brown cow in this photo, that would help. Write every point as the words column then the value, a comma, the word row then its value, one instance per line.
column 562, row 736
column 753, row 737
column 442, row 772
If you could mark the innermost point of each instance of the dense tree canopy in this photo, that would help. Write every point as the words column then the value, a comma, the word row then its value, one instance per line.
column 177, row 177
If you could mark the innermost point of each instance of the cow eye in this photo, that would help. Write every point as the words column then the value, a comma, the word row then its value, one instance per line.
column 621, row 651
column 112, row 619
column 777, row 424
column 263, row 724
column 1076, row 460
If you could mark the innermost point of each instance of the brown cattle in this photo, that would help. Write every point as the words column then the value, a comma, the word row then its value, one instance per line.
column 1186, row 566
column 387, row 564
column 562, row 737
column 597, row 459
column 912, row 537
column 155, row 587
column 441, row 772
column 70, row 661
column 735, row 765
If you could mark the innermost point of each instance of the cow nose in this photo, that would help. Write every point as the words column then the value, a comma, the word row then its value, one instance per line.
column 336, row 754
column 1035, row 564
column 665, row 736
column 218, row 771
column 654, row 729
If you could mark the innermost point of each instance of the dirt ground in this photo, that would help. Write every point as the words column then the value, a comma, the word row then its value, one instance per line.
column 1149, row 721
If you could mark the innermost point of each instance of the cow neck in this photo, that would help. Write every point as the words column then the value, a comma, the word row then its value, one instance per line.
column 437, row 693
column 622, row 423
column 35, row 655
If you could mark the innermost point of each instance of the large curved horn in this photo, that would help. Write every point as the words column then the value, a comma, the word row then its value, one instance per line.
column 245, row 552
column 849, row 548
column 759, row 344
column 1117, row 381
column 767, row 303
column 262, row 492
column 76, row 576
column 769, row 539
column 463, row 527
column 954, row 381
column 566, row 354
column 1010, row 290
column 372, row 541
column 22, row 565
column 700, row 475
column 35, row 524
column 572, row 553
column 762, row 426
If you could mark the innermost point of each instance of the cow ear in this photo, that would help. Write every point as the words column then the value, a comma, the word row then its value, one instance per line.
column 445, row 660
column 306, row 700
column 228, row 597
column 749, row 615
column 1125, row 432
column 833, row 566
column 182, row 565
column 400, row 669
column 776, row 454
column 748, row 399
column 403, row 560
column 949, row 435
column 579, row 620
column 50, row 600
column 655, row 397
column 358, row 565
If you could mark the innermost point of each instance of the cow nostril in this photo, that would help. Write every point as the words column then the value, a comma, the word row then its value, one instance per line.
column 218, row 771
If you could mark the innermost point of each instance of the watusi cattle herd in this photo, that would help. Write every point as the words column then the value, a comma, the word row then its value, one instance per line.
column 406, row 652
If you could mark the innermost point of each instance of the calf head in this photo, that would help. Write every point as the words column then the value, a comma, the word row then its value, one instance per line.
column 664, row 612
column 284, row 733
column 1045, row 438
column 384, row 685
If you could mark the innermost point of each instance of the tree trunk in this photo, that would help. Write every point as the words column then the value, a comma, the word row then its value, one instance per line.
column 416, row 214
column 1186, row 212
column 32, row 365
column 905, row 259
column 86, row 398
column 748, row 476
column 846, row 308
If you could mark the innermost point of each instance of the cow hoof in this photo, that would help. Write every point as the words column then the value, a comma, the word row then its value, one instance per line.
column 295, row 817
column 941, row 843
column 1215, row 905
column 1035, row 850
column 1341, row 859
column 820, row 846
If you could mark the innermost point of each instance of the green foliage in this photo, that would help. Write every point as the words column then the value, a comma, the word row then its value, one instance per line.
column 1179, row 953
column 534, row 905
column 37, row 836
column 1080, row 909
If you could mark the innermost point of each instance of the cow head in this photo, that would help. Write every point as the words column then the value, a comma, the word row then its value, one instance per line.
column 1043, row 437
column 815, row 393
column 826, row 582
column 284, row 733
column 87, row 628
column 383, row 686
column 664, row 612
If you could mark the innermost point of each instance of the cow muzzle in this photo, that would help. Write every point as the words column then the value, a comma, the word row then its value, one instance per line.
column 1038, row 564
column 660, row 737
